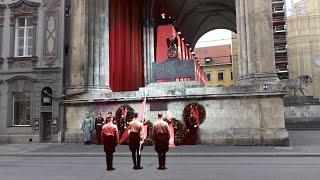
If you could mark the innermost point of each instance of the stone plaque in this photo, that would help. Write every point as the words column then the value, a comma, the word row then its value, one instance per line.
column 158, row 106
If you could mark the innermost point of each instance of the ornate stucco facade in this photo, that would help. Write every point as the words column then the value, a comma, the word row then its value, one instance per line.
column 24, row 79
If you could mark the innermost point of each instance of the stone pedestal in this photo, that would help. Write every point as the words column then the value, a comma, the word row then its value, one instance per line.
column 240, row 115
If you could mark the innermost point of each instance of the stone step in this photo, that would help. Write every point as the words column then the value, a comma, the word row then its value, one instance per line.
column 300, row 100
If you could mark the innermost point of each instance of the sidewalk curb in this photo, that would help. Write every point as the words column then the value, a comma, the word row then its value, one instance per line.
column 168, row 155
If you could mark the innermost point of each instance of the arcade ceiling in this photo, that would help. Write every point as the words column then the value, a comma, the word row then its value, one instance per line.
column 196, row 17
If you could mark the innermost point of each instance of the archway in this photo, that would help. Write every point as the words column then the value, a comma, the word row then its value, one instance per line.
column 196, row 17
column 186, row 20
column 215, row 51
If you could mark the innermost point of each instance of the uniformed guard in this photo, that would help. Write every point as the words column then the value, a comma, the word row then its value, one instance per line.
column 98, row 123
column 122, row 125
column 161, row 137
column 110, row 139
column 136, row 141
column 87, row 128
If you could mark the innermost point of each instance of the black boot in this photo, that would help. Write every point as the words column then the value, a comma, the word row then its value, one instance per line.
column 134, row 160
column 164, row 161
column 109, row 163
column 139, row 162
column 159, row 159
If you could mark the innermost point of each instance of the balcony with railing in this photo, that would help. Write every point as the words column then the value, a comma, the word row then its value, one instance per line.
column 281, row 61
column 282, row 68
column 278, row 19
column 278, row 9
column 281, row 49
column 274, row 2
column 280, row 40
column 279, row 29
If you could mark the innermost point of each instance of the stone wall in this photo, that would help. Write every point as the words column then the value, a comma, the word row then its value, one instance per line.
column 303, row 116
column 233, row 117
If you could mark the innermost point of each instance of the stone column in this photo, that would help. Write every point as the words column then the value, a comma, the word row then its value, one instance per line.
column 148, row 42
column 2, row 7
column 256, row 44
column 88, row 69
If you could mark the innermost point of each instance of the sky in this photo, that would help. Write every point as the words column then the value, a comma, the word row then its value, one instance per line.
column 214, row 38
column 222, row 36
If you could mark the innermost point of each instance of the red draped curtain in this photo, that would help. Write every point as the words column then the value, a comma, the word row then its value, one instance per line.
column 126, row 63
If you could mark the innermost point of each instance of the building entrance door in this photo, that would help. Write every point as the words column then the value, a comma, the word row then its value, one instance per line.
column 47, row 126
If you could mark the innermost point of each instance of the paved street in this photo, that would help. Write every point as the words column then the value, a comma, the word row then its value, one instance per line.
column 301, row 160
column 302, row 143
column 219, row 168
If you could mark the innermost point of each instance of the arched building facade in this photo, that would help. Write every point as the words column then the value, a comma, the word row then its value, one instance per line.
column 110, row 59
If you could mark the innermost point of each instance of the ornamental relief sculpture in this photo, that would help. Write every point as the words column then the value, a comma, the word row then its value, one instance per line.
column 51, row 30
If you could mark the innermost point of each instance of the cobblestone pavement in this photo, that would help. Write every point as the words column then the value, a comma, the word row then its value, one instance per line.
column 301, row 142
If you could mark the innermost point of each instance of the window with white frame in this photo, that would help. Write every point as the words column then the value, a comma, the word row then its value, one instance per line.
column 21, row 108
column 24, row 37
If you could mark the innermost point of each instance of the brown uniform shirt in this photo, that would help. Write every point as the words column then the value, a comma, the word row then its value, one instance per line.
column 110, row 129
column 137, row 127
column 160, row 127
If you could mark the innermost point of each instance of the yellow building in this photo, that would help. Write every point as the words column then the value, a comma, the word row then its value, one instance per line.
column 304, row 42
column 216, row 63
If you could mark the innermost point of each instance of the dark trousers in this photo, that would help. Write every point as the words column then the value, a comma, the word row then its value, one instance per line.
column 98, row 136
column 161, row 147
column 134, row 142
column 109, row 144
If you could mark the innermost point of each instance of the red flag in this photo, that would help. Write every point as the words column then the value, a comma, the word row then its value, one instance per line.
column 124, row 136
column 142, row 107
column 171, row 131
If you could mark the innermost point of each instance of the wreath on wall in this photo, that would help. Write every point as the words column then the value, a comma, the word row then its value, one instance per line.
column 127, row 110
column 199, row 113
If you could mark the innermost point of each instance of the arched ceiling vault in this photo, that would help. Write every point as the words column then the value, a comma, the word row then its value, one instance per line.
column 196, row 17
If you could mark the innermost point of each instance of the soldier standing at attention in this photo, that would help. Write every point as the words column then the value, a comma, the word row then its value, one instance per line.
column 87, row 128
column 135, row 141
column 110, row 139
column 161, row 138
column 98, row 127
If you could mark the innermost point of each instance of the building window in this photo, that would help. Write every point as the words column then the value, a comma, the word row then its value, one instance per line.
column 220, row 76
column 23, row 25
column 208, row 76
column 24, row 37
column 231, row 74
column 208, row 60
column 21, row 108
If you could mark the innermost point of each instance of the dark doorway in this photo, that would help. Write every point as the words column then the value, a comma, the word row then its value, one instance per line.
column 47, row 126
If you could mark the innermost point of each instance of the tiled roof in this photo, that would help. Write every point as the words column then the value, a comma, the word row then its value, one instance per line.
column 220, row 54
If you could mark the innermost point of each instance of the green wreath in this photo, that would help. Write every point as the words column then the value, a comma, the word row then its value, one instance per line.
column 179, row 131
column 186, row 113
column 130, row 112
